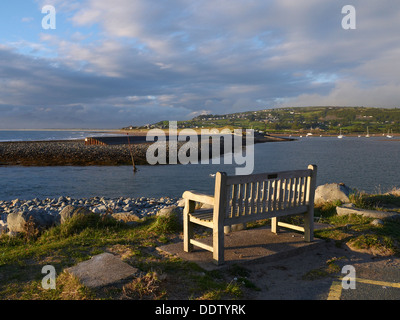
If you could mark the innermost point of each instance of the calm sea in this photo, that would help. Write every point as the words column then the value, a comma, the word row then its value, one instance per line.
column 368, row 164
column 47, row 135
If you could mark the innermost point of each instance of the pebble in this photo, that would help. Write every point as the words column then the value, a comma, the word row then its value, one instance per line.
column 141, row 207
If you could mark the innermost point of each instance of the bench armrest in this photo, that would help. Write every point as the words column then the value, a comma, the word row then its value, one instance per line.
column 199, row 197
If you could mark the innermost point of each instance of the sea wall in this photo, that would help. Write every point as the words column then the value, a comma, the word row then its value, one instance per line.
column 76, row 153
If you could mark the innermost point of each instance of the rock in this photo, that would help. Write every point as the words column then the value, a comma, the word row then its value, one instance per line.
column 126, row 216
column 16, row 221
column 127, row 207
column 172, row 212
column 3, row 227
column 100, row 208
column 351, row 209
column 69, row 211
column 331, row 192
column 15, row 202
column 234, row 227
column 377, row 222
column 102, row 270
column 181, row 202
column 169, row 211
column 207, row 206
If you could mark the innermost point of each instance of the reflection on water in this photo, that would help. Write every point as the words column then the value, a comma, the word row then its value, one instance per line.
column 366, row 164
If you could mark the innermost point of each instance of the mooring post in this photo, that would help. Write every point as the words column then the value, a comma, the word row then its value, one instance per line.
column 130, row 149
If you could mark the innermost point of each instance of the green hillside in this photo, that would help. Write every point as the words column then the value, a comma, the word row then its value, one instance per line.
column 306, row 119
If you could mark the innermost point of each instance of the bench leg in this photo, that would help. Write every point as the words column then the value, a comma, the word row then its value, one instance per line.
column 187, row 228
column 309, row 226
column 187, row 235
column 218, row 245
column 274, row 225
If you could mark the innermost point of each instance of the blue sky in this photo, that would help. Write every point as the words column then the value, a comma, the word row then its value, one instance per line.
column 136, row 62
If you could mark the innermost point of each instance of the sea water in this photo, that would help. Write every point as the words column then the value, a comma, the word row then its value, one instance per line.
column 48, row 135
column 367, row 164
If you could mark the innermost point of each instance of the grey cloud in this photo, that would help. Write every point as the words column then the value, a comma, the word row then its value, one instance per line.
column 169, row 60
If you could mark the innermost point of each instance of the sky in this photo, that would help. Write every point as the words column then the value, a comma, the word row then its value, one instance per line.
column 111, row 64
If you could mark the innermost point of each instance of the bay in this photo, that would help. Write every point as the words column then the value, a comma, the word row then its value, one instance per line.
column 48, row 135
column 368, row 164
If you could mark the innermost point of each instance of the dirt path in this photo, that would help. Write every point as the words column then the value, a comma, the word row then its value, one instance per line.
column 311, row 276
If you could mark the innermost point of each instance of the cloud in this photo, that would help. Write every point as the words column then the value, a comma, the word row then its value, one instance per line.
column 348, row 93
column 27, row 19
column 136, row 62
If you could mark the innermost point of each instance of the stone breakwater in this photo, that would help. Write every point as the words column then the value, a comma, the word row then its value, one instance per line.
column 125, row 209
column 76, row 153
column 69, row 152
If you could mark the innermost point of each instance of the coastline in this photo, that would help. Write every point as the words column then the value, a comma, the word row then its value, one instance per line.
column 67, row 153
column 76, row 153
column 141, row 206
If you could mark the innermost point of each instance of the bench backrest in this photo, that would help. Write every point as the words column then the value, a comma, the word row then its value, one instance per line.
column 264, row 195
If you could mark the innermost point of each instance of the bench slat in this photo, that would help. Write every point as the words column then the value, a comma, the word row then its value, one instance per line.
column 267, row 176
column 234, row 193
column 206, row 215
column 201, row 245
column 305, row 191
column 266, row 215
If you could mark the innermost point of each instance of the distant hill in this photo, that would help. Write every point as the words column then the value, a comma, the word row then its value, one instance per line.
column 301, row 119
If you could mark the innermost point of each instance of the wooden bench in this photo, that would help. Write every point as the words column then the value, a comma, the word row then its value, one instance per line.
column 241, row 199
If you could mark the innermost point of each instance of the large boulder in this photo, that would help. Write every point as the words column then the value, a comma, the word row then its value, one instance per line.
column 173, row 212
column 332, row 192
column 349, row 208
column 69, row 211
column 169, row 211
column 127, row 217
column 17, row 221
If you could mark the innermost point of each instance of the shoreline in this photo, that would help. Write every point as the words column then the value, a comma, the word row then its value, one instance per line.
column 76, row 153
column 126, row 209
column 66, row 153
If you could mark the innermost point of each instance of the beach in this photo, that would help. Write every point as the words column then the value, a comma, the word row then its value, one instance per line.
column 126, row 207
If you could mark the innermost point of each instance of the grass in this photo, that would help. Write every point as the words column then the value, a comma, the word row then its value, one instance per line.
column 330, row 268
column 389, row 201
column 357, row 231
column 83, row 236
column 163, row 277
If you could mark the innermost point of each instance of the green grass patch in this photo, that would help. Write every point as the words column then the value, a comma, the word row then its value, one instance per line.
column 384, row 202
column 356, row 230
column 83, row 236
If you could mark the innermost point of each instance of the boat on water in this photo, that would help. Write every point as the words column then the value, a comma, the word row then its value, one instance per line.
column 340, row 136
column 367, row 135
column 390, row 135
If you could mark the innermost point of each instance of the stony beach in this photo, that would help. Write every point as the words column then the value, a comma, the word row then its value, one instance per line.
column 46, row 211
